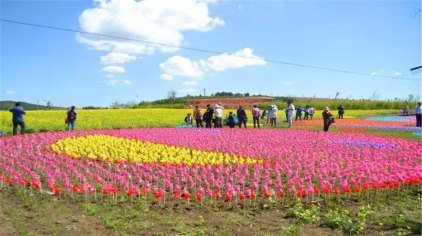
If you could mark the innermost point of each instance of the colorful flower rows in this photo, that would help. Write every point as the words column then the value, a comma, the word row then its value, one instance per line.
column 388, row 124
column 198, row 164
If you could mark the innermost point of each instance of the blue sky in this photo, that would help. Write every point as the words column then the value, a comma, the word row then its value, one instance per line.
column 376, row 38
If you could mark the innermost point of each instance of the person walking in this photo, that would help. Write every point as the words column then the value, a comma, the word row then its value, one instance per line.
column 290, row 112
column 418, row 111
column 256, row 113
column 241, row 115
column 17, row 118
column 328, row 118
column 340, row 111
column 71, row 118
column 198, row 117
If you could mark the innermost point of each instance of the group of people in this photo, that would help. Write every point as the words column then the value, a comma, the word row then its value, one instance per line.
column 214, row 115
column 418, row 113
column 18, row 121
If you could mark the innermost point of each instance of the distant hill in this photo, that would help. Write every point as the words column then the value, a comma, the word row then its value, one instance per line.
column 6, row 105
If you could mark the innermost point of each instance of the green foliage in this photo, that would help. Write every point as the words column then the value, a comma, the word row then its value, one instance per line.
column 292, row 229
column 349, row 224
column 310, row 215
column 90, row 208
column 110, row 222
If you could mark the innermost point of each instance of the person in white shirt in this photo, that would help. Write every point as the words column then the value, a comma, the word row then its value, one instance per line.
column 290, row 112
column 274, row 111
column 218, row 113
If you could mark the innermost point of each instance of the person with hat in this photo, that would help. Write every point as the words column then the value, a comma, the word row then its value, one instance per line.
column 289, row 113
column 218, row 112
column 327, row 118
column 274, row 115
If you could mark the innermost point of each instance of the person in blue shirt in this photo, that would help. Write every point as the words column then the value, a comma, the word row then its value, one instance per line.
column 299, row 113
column 17, row 120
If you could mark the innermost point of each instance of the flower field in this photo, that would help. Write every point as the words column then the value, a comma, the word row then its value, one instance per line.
column 198, row 164
column 124, row 161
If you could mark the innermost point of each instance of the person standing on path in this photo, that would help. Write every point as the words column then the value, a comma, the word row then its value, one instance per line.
column 198, row 116
column 241, row 115
column 208, row 116
column 274, row 115
column 17, row 119
column 418, row 111
column 256, row 113
column 340, row 111
column 328, row 118
column 218, row 112
column 71, row 118
column 290, row 112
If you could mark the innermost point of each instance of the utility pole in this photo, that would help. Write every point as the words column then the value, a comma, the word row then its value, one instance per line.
column 204, row 92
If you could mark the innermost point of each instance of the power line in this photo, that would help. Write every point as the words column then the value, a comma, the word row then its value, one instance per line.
column 202, row 50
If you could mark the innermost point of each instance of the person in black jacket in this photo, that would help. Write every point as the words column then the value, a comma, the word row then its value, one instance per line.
column 340, row 111
column 241, row 115
column 208, row 116
column 327, row 118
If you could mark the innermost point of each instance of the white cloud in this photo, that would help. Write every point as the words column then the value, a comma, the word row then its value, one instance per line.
column 185, row 67
column 110, row 76
column 116, row 58
column 191, row 83
column 242, row 58
column 182, row 66
column 158, row 21
column 10, row 92
column 374, row 73
column 114, row 82
column 166, row 77
column 114, row 69
column 289, row 83
column 128, row 82
column 396, row 73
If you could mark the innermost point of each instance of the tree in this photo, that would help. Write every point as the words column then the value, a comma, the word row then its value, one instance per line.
column 375, row 95
column 246, row 94
column 335, row 98
column 411, row 97
column 171, row 94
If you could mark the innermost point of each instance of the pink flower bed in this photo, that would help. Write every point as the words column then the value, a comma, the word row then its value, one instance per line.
column 294, row 163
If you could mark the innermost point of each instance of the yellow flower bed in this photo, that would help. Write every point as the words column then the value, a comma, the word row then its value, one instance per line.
column 131, row 150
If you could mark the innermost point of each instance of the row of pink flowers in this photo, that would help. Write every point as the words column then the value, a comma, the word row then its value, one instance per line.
column 294, row 163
